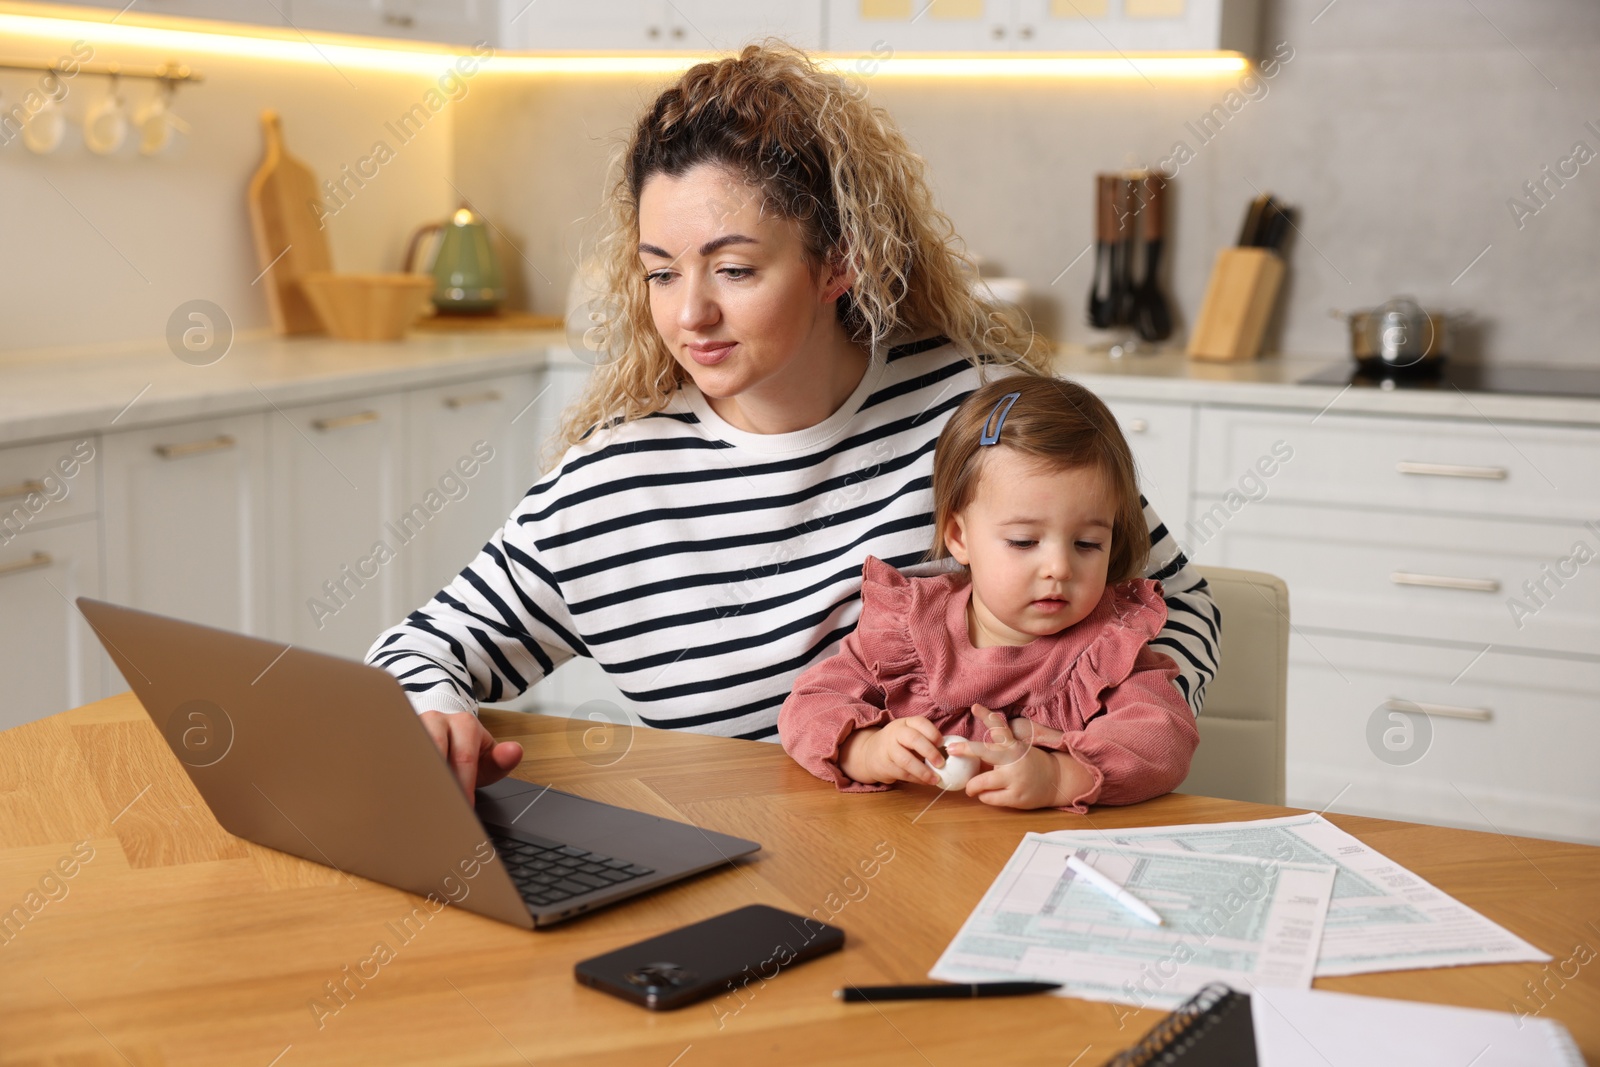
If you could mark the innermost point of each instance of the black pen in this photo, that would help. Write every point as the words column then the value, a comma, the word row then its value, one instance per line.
column 864, row 994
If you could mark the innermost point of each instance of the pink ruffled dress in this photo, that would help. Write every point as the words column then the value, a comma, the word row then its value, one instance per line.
column 1098, row 681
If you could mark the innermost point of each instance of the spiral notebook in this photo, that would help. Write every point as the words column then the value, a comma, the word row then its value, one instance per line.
column 1222, row 1027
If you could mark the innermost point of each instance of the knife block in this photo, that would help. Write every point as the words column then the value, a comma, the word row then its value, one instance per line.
column 1239, row 300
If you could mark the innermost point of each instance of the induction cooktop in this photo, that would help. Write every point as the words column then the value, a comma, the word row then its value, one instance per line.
column 1470, row 378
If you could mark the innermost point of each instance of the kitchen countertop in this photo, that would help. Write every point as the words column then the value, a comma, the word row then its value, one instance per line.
column 62, row 393
column 1272, row 382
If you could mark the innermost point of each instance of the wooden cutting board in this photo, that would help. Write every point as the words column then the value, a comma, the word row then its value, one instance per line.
column 289, row 237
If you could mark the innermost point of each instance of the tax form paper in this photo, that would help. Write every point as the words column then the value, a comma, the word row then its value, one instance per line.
column 1240, row 920
column 1382, row 916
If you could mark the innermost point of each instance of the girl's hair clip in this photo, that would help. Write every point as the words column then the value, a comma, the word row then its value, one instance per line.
column 1002, row 408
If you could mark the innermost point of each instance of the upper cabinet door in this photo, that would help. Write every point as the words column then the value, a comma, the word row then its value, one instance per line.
column 462, row 22
column 592, row 25
column 259, row 12
column 657, row 25
column 716, row 25
column 1137, row 25
column 885, row 27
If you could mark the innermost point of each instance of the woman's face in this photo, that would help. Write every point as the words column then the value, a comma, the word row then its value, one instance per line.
column 1038, row 541
column 734, row 300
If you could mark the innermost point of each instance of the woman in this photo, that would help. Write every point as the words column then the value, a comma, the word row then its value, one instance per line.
column 790, row 325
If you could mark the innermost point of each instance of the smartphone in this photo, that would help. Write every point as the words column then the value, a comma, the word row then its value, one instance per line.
column 710, row 958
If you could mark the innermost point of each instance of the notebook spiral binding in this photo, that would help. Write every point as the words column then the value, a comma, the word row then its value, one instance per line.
column 1178, row 1032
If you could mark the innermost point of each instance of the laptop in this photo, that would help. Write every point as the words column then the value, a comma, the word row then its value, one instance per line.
column 325, row 759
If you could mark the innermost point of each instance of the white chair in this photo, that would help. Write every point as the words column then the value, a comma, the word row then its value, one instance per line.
column 1242, row 732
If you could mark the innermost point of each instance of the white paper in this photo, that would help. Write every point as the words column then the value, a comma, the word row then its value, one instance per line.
column 1382, row 917
column 1226, row 919
column 1295, row 1027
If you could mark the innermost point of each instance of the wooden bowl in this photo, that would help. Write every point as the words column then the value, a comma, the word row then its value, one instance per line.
column 367, row 307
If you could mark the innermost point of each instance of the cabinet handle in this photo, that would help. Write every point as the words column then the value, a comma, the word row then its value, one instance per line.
column 33, row 562
column 1026, row 33
column 339, row 422
column 32, row 485
column 1137, row 426
column 677, row 32
column 1444, row 581
column 653, row 32
column 1444, row 711
column 220, row 443
column 1451, row 470
column 405, row 22
column 998, row 32
column 488, row 396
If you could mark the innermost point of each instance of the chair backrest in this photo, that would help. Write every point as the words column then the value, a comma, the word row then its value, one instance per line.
column 1242, row 735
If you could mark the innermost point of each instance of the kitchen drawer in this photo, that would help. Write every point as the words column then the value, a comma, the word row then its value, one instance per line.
column 1161, row 439
column 1358, row 571
column 1453, row 465
column 47, row 482
column 1508, row 745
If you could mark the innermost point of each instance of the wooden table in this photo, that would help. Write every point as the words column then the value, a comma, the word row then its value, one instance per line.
column 177, row 943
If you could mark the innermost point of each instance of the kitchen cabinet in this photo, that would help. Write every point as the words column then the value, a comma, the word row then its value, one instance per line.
column 1437, row 567
column 1041, row 25
column 186, row 521
column 335, row 474
column 471, row 455
column 49, row 556
column 1160, row 436
column 257, row 12
column 462, row 22
column 658, row 25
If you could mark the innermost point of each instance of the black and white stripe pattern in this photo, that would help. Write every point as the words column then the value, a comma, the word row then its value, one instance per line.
column 704, row 568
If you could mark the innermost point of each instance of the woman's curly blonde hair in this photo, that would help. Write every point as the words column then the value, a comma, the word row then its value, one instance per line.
column 822, row 156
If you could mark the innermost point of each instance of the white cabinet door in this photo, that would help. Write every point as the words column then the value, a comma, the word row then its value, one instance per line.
column 48, row 655
column 721, row 26
column 1161, row 439
column 471, row 453
column 447, row 21
column 185, row 520
column 656, row 25
column 335, row 488
column 260, row 12
column 881, row 27
column 600, row 25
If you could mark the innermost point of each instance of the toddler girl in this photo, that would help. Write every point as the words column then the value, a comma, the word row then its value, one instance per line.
column 1038, row 646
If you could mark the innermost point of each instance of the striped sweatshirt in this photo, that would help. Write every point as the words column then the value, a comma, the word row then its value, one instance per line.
column 704, row 567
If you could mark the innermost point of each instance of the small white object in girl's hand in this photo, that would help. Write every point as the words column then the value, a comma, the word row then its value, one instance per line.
column 957, row 770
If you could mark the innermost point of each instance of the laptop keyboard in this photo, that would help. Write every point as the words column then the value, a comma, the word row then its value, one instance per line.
column 549, row 874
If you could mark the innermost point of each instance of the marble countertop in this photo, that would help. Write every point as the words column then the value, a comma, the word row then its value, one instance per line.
column 64, row 392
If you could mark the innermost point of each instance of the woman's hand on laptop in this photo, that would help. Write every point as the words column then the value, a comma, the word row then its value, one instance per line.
column 470, row 749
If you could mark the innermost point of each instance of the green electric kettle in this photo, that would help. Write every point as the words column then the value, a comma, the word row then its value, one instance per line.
column 466, row 276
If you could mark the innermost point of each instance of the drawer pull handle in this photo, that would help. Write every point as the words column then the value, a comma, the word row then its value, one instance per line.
column 339, row 422
column 488, row 396
column 33, row 562
column 1445, row 581
column 1444, row 711
column 32, row 485
column 194, row 448
column 1137, row 426
column 1452, row 470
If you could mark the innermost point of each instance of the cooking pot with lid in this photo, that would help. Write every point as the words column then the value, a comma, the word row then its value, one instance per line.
column 1398, row 337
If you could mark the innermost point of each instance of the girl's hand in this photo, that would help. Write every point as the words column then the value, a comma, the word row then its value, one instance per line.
column 1023, row 776
column 893, row 752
